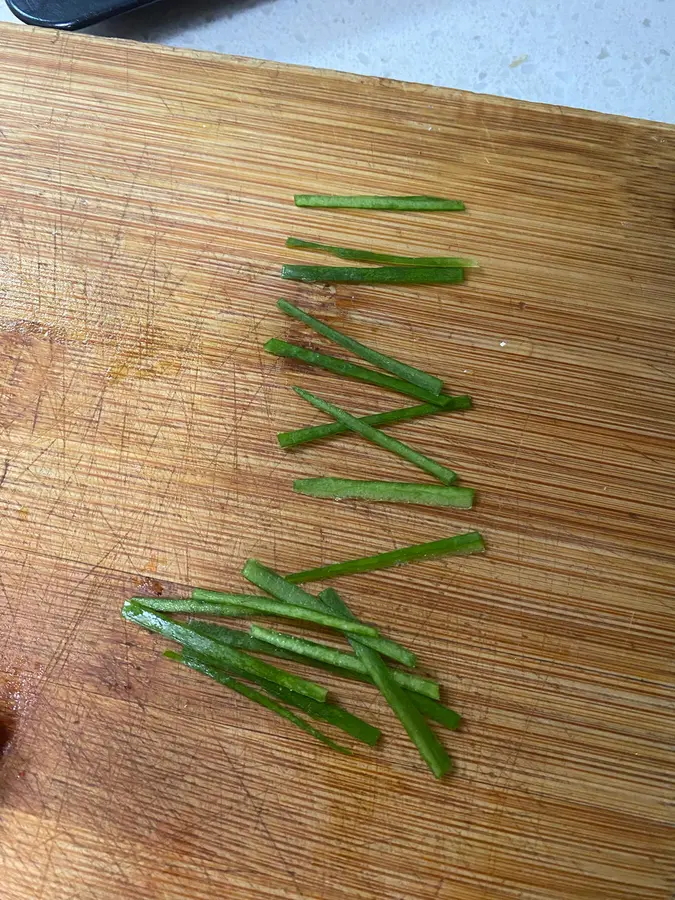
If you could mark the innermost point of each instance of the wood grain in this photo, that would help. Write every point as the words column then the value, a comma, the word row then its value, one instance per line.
column 145, row 196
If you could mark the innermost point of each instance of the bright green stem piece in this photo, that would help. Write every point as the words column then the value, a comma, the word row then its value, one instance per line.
column 275, row 584
column 277, row 347
column 385, row 491
column 331, row 713
column 430, row 748
column 200, row 665
column 420, row 203
column 322, row 712
column 244, row 641
column 379, row 275
column 290, row 439
column 216, row 652
column 270, row 581
column 194, row 606
column 273, row 607
column 333, row 657
column 425, row 463
column 389, row 259
column 471, row 542
column 440, row 713
column 386, row 647
column 374, row 357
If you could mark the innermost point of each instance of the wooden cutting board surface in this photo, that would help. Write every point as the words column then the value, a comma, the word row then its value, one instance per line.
column 145, row 197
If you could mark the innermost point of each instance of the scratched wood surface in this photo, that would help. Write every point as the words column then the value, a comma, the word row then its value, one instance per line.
column 145, row 197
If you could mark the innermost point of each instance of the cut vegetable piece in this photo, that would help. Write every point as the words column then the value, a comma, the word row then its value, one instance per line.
column 374, row 357
column 176, row 605
column 289, row 439
column 244, row 641
column 389, row 259
column 430, row 466
column 379, row 275
column 273, row 607
column 471, row 542
column 334, row 657
column 429, row 747
column 440, row 713
column 275, row 584
column 386, row 647
column 385, row 491
column 217, row 652
column 412, row 204
column 324, row 712
column 269, row 580
column 222, row 598
column 351, row 370
column 199, row 665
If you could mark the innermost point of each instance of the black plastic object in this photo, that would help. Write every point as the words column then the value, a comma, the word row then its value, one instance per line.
column 71, row 14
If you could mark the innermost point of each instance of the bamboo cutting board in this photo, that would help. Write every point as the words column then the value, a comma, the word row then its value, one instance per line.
column 145, row 196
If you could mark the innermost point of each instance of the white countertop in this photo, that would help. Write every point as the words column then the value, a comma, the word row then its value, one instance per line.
column 616, row 56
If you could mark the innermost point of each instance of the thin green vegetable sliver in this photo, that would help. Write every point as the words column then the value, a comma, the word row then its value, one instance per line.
column 429, row 747
column 440, row 713
column 289, row 610
column 385, row 491
column 218, row 653
column 420, row 203
column 324, row 712
column 428, row 465
column 401, row 370
column 471, row 542
column 196, row 606
column 379, row 275
column 199, row 665
column 289, row 439
column 244, row 641
column 389, row 259
column 338, row 366
column 333, row 657
column 273, row 583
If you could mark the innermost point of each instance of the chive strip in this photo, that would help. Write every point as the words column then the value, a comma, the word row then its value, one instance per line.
column 471, row 542
column 389, row 259
column 352, row 370
column 270, row 581
column 393, row 445
column 385, row 491
column 289, row 439
column 198, row 665
column 275, row 584
column 440, row 713
column 242, row 640
column 331, row 713
column 379, row 275
column 218, row 653
column 421, row 203
column 234, row 638
column 204, row 595
column 429, row 747
column 333, row 657
column 401, row 370
column 272, row 607
column 195, row 606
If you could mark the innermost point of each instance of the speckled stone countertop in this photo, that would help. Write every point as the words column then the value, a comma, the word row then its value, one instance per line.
column 616, row 56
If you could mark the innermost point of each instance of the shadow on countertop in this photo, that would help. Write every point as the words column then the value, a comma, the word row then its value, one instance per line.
column 162, row 20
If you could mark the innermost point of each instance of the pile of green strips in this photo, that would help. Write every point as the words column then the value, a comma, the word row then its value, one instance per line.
column 389, row 268
column 232, row 657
